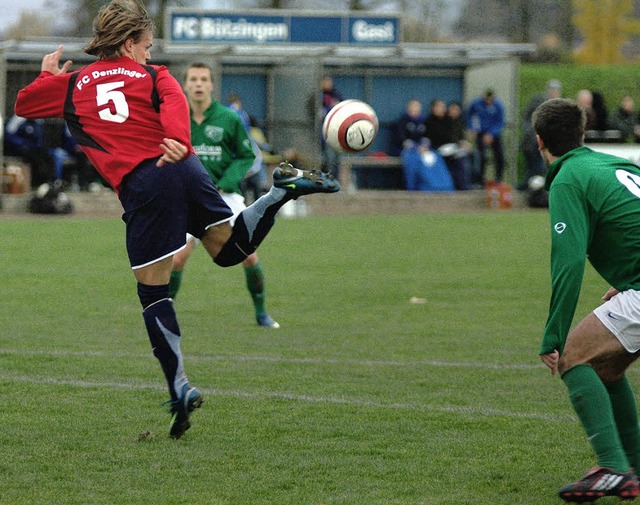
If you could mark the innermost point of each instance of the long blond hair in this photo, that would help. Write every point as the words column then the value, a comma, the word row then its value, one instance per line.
column 115, row 23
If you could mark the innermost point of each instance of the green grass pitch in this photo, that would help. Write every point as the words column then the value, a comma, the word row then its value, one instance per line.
column 362, row 397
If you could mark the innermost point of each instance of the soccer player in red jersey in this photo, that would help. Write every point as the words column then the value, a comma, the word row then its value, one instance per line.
column 132, row 121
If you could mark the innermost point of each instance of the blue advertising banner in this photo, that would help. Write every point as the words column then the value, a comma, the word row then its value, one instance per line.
column 256, row 27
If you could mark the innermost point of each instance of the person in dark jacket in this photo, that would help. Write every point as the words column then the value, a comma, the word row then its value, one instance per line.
column 409, row 129
column 440, row 130
column 626, row 120
column 529, row 145
column 25, row 139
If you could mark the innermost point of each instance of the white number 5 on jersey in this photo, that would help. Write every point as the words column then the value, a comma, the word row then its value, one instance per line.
column 106, row 93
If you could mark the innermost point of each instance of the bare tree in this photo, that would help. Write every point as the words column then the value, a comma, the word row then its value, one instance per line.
column 81, row 14
column 422, row 20
column 515, row 20
column 29, row 24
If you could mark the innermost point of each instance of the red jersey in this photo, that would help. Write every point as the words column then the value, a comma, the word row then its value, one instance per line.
column 117, row 110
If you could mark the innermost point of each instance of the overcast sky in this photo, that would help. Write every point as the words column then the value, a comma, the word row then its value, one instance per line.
column 10, row 9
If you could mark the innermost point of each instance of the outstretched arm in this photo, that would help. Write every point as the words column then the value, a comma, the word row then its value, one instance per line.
column 45, row 96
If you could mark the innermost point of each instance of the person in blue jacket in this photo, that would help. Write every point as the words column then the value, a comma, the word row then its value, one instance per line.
column 25, row 138
column 485, row 121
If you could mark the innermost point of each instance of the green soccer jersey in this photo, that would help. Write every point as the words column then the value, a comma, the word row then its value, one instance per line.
column 594, row 208
column 222, row 144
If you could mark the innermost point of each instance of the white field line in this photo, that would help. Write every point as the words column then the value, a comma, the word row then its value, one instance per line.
column 276, row 359
column 265, row 395
column 352, row 402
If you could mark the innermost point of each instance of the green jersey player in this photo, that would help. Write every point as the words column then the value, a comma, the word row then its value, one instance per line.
column 594, row 206
column 222, row 143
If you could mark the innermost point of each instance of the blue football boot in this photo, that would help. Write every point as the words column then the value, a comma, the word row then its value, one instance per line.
column 303, row 182
column 266, row 321
column 190, row 399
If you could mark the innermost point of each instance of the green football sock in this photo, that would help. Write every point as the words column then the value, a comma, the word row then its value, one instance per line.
column 591, row 402
column 174, row 284
column 625, row 412
column 255, row 284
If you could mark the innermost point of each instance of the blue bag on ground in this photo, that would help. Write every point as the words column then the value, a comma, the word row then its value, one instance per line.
column 425, row 171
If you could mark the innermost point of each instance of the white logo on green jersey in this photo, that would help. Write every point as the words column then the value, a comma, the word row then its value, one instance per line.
column 560, row 227
column 205, row 150
column 215, row 133
column 631, row 181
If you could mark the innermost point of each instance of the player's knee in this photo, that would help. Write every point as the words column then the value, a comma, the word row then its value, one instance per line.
column 232, row 254
column 611, row 370
column 569, row 360
column 563, row 367
column 179, row 262
column 251, row 260
column 149, row 295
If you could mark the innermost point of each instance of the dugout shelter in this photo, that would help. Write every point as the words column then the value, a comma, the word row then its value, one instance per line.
column 275, row 60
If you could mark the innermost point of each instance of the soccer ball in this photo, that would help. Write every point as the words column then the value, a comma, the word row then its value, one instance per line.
column 351, row 126
column 536, row 183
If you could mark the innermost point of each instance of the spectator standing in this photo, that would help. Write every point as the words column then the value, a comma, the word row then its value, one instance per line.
column 255, row 183
column 424, row 168
column 329, row 98
column 485, row 122
column 625, row 119
column 410, row 127
column 235, row 104
column 584, row 97
column 466, row 150
column 529, row 145
column 437, row 125
column 601, row 111
column 439, row 129
column 222, row 143
column 458, row 124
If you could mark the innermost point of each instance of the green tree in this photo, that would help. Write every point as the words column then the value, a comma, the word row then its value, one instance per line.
column 606, row 25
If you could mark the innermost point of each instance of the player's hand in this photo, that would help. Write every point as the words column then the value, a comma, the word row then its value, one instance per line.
column 51, row 61
column 173, row 151
column 551, row 360
column 610, row 294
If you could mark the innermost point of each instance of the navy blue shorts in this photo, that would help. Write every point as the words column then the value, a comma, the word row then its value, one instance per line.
column 162, row 205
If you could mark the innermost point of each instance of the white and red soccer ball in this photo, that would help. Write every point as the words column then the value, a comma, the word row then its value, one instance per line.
column 351, row 126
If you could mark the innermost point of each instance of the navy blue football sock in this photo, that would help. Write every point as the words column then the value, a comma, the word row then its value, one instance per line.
column 251, row 227
column 164, row 334
column 149, row 295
